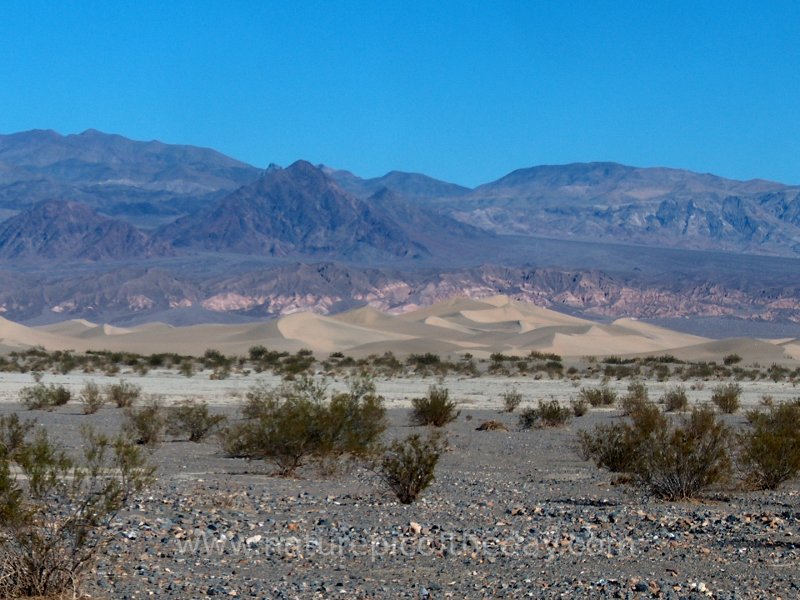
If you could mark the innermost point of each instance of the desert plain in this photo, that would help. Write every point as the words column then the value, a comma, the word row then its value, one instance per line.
column 511, row 514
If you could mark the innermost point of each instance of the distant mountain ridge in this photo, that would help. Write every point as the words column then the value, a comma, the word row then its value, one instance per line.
column 186, row 233
column 59, row 230
column 105, row 170
column 297, row 210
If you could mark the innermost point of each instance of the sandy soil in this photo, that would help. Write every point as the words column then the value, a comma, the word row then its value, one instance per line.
column 483, row 392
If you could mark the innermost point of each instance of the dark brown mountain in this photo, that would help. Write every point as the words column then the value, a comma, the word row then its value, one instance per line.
column 59, row 230
column 293, row 211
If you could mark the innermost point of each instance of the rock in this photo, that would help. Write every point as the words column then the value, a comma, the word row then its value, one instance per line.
column 491, row 426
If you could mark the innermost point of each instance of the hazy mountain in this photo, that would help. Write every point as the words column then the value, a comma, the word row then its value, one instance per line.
column 248, row 242
column 106, row 170
column 658, row 207
column 58, row 230
column 294, row 211
column 411, row 186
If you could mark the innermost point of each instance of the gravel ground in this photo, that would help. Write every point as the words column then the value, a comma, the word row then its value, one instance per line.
column 511, row 514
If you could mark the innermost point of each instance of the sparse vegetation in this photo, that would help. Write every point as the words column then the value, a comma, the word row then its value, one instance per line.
column 511, row 400
column 635, row 397
column 579, row 406
column 675, row 399
column 547, row 414
column 123, row 394
column 670, row 461
column 770, row 448
column 435, row 408
column 598, row 396
column 55, row 509
column 147, row 421
column 293, row 424
column 92, row 398
column 726, row 397
column 193, row 420
column 680, row 461
column 408, row 466
column 44, row 397
column 731, row 359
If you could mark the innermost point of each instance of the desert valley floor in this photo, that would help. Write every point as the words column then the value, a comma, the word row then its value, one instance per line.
column 511, row 514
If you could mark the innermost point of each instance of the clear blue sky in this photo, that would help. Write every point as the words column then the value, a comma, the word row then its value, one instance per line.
column 463, row 91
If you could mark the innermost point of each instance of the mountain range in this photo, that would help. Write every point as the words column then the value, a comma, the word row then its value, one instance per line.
column 98, row 226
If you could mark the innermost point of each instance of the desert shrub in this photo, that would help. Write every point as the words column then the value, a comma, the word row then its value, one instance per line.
column 55, row 510
column 731, row 359
column 671, row 461
column 675, row 399
column 435, row 408
column 511, row 400
column 579, row 406
column 186, row 368
column 292, row 424
column 354, row 421
column 13, row 432
column 770, row 449
column 192, row 419
column 726, row 397
column 546, row 414
column 598, row 396
column 123, row 394
column 408, row 466
column 608, row 446
column 146, row 422
column 92, row 398
column 44, row 397
column 635, row 397
column 679, row 461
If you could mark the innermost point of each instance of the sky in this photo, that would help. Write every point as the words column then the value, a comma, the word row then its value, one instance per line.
column 461, row 91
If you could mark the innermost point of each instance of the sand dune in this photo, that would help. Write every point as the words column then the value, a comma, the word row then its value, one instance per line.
column 329, row 335
column 454, row 327
column 751, row 351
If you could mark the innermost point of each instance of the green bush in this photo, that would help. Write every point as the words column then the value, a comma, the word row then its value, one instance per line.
column 92, row 398
column 511, row 400
column 55, row 510
column 193, row 420
column 147, row 422
column 293, row 424
column 123, row 394
column 44, row 397
column 408, row 466
column 726, row 397
column 635, row 397
column 680, row 461
column 731, row 359
column 675, row 399
column 547, row 414
column 770, row 449
column 434, row 409
column 13, row 433
column 671, row 461
column 608, row 446
column 615, row 447
column 599, row 396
